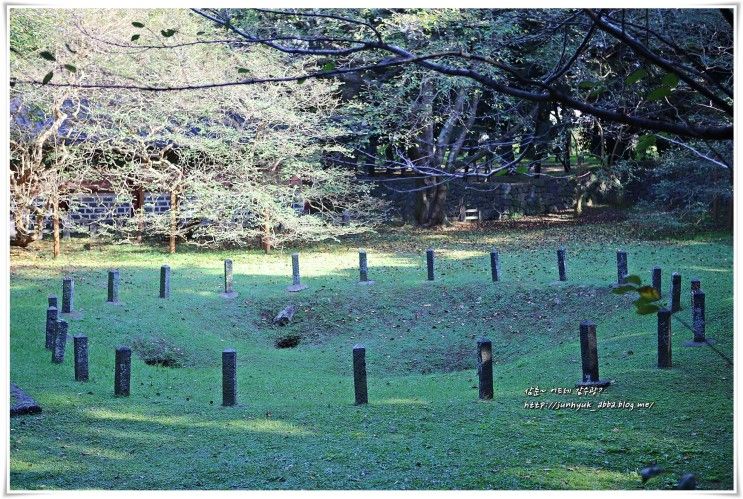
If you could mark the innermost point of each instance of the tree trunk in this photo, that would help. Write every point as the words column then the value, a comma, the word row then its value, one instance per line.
column 139, row 206
column 55, row 228
column 266, row 240
column 23, row 236
column 566, row 163
column 173, row 221
column 39, row 229
column 430, row 209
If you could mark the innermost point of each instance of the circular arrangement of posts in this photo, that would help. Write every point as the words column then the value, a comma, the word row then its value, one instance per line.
column 56, row 329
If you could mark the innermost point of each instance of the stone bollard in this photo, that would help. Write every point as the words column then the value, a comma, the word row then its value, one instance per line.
column 656, row 272
column 429, row 263
column 494, row 265
column 675, row 292
column 229, row 377
column 698, row 322
column 359, row 374
column 696, row 285
column 60, row 341
column 363, row 268
column 664, row 338
column 52, row 316
column 52, row 300
column 114, row 278
column 165, row 281
column 621, row 266
column 123, row 371
column 81, row 357
column 68, row 295
column 561, row 263
column 589, row 356
column 485, row 368
column 296, row 278
column 229, row 290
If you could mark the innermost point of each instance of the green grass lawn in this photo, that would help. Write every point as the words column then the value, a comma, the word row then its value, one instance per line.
column 296, row 426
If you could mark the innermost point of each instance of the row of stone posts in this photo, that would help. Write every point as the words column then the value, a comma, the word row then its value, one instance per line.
column 588, row 346
column 57, row 331
column 114, row 277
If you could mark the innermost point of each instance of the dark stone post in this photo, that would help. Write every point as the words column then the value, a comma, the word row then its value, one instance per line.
column 696, row 285
column 359, row 374
column 229, row 377
column 52, row 299
column 494, row 265
column 656, row 279
column 561, row 263
column 123, row 371
column 296, row 278
column 363, row 267
column 52, row 315
column 589, row 355
column 664, row 338
column 675, row 292
column 114, row 278
column 229, row 290
column 81, row 357
column 621, row 266
column 60, row 341
column 165, row 281
column 429, row 263
column 68, row 294
column 698, row 321
column 485, row 368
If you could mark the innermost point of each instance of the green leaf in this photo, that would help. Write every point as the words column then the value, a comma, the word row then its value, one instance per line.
column 670, row 80
column 137, row 24
column 621, row 290
column 47, row 55
column 135, row 37
column 646, row 308
column 634, row 279
column 70, row 68
column 586, row 84
column 198, row 33
column 522, row 170
column 648, row 293
column 167, row 33
column 47, row 78
column 636, row 76
column 328, row 66
column 301, row 80
column 502, row 172
column 659, row 93
column 242, row 70
column 643, row 143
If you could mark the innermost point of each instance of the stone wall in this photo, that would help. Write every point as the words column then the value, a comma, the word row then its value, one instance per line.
column 495, row 200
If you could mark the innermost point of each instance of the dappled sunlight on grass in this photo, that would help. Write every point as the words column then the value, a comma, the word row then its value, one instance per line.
column 46, row 465
column 707, row 269
column 577, row 477
column 400, row 401
column 255, row 425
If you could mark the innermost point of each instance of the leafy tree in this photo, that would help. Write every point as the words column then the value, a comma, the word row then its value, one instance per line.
column 238, row 163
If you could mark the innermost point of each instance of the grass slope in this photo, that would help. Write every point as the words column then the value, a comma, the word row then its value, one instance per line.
column 296, row 426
